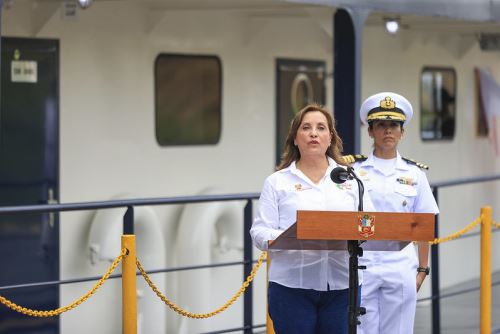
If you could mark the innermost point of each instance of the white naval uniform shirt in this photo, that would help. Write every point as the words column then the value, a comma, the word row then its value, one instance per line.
column 404, row 189
column 285, row 192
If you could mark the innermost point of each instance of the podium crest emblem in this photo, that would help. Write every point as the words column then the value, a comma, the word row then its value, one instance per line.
column 366, row 225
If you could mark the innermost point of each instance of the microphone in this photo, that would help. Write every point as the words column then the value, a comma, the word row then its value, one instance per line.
column 340, row 175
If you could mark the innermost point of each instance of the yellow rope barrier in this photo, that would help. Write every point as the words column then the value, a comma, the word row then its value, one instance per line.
column 455, row 235
column 173, row 306
column 51, row 313
column 188, row 314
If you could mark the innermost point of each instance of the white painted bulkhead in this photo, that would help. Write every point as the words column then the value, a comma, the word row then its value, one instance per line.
column 107, row 129
column 467, row 155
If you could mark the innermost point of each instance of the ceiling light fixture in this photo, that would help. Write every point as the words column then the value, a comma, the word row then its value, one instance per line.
column 84, row 4
column 391, row 25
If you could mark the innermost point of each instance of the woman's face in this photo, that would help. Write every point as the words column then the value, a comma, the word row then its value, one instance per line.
column 386, row 135
column 313, row 135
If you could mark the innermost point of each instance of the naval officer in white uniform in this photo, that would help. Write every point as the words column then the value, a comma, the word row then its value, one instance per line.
column 394, row 184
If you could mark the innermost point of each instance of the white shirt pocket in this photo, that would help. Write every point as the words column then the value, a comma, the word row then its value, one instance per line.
column 406, row 197
column 405, row 190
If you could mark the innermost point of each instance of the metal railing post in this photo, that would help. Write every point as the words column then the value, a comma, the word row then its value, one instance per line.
column 129, row 298
column 269, row 321
column 128, row 221
column 247, row 268
column 436, row 302
column 485, row 274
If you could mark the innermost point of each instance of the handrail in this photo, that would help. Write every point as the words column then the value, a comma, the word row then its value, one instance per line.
column 184, row 199
column 95, row 278
column 465, row 180
column 76, row 206
column 455, row 293
column 125, row 203
column 435, row 288
column 130, row 203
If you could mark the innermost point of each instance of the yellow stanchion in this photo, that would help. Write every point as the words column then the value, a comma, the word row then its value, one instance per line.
column 129, row 298
column 269, row 322
column 485, row 275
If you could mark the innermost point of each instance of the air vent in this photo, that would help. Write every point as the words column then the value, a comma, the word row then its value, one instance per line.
column 489, row 41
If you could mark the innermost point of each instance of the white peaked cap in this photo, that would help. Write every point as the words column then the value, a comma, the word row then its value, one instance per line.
column 386, row 106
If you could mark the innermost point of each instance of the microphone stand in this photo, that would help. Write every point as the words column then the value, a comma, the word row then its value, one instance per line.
column 354, row 249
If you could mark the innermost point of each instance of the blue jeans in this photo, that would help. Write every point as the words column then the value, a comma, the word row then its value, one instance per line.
column 307, row 311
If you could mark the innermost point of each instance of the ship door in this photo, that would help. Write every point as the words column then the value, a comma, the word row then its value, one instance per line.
column 29, row 141
column 299, row 82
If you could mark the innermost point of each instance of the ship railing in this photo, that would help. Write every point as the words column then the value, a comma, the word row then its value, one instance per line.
column 436, row 296
column 247, row 262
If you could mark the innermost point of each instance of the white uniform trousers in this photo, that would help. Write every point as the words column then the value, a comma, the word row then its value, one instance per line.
column 389, row 296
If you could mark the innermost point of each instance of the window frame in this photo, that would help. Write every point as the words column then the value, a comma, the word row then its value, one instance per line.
column 164, row 55
column 438, row 69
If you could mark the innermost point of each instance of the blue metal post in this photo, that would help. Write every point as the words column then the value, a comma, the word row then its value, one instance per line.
column 128, row 221
column 347, row 48
column 247, row 268
column 1, row 13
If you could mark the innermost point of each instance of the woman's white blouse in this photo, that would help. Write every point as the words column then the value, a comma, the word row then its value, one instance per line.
column 285, row 192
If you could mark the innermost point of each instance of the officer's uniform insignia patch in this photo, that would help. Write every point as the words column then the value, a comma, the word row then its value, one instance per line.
column 416, row 163
column 352, row 158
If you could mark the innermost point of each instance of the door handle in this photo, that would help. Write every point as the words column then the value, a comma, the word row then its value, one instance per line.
column 51, row 200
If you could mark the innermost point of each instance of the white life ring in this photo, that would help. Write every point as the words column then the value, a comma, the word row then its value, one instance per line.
column 208, row 233
column 105, row 244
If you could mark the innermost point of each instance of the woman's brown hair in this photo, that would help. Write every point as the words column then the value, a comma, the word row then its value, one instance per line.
column 291, row 152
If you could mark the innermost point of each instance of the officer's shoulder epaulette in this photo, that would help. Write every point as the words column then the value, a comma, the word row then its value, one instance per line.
column 352, row 158
column 416, row 163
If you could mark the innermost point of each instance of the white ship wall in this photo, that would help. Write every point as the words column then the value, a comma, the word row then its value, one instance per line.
column 108, row 147
column 467, row 155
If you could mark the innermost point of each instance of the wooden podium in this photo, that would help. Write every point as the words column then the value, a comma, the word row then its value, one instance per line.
column 330, row 230
column 347, row 230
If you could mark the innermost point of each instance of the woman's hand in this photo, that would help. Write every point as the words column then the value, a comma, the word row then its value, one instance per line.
column 420, row 279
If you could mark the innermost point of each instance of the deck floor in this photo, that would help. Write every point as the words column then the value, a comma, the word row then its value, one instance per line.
column 460, row 313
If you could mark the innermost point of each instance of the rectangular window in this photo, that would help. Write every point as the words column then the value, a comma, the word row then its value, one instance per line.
column 188, row 94
column 437, row 103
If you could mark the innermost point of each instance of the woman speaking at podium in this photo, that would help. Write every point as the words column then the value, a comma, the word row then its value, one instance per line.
column 308, row 289
column 395, row 184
